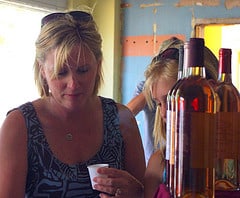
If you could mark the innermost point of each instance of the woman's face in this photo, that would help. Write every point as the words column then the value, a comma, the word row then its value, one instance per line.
column 75, row 82
column 160, row 90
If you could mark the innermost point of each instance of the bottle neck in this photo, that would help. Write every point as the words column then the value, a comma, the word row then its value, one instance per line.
column 225, row 77
column 180, row 75
column 225, row 70
column 180, row 62
column 194, row 58
column 196, row 71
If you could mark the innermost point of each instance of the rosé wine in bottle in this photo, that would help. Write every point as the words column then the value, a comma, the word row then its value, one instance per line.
column 195, row 104
column 228, row 127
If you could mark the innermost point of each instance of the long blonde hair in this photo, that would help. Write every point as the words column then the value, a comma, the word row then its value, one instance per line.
column 166, row 68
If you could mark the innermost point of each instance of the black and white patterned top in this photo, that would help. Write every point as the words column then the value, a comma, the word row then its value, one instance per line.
column 49, row 177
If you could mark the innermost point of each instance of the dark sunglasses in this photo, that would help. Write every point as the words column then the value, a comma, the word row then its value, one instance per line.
column 170, row 53
column 77, row 15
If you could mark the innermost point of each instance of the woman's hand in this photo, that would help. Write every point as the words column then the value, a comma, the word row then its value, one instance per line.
column 119, row 183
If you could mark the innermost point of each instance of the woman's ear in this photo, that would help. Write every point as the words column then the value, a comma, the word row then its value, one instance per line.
column 99, row 65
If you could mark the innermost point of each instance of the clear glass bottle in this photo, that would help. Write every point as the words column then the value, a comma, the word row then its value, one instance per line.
column 195, row 103
column 170, row 126
column 228, row 127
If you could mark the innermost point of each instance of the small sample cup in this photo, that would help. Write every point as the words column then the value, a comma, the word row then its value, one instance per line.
column 92, row 169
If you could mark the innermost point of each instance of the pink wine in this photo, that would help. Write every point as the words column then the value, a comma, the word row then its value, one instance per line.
column 195, row 103
column 228, row 127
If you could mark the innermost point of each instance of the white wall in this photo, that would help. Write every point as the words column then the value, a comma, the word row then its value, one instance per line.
column 46, row 4
column 18, row 32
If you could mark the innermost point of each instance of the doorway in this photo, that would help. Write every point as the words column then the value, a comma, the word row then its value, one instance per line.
column 222, row 33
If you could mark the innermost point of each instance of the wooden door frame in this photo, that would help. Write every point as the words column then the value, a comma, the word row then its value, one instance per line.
column 199, row 24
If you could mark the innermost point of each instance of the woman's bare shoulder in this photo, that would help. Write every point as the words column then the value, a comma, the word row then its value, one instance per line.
column 13, row 153
column 124, row 110
column 127, row 119
column 13, row 125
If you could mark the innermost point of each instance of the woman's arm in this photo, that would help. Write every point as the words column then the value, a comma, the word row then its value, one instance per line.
column 137, row 103
column 126, row 183
column 134, row 153
column 13, row 156
column 154, row 174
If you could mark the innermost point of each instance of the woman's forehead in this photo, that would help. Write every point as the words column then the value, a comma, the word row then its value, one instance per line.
column 81, row 51
column 163, row 86
column 78, row 54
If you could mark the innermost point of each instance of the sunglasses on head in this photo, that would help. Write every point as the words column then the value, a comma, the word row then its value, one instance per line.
column 77, row 15
column 170, row 53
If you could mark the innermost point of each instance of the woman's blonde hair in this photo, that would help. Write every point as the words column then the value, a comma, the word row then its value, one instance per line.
column 165, row 68
column 63, row 34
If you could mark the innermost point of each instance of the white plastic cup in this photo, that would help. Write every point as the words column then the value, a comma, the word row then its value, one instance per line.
column 92, row 169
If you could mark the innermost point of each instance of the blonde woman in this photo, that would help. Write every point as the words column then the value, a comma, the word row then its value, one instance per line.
column 161, row 76
column 47, row 144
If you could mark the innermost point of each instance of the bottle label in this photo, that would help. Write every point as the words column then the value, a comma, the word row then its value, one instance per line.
column 168, row 134
column 228, row 132
column 172, row 140
column 228, row 135
column 202, row 139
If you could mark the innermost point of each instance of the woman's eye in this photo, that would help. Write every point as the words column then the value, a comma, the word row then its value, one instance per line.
column 62, row 72
column 82, row 69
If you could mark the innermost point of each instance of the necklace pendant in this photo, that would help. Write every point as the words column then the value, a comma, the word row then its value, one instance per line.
column 69, row 137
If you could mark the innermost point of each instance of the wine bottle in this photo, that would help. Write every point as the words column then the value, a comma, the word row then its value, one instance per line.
column 170, row 126
column 228, row 127
column 195, row 103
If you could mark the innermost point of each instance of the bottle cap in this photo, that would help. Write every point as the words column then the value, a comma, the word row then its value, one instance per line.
column 225, row 55
column 181, row 58
column 196, row 52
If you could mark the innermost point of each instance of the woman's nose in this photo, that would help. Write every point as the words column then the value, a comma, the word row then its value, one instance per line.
column 72, row 81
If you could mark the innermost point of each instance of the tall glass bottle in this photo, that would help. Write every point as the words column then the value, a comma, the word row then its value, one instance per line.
column 195, row 102
column 228, row 127
column 170, row 126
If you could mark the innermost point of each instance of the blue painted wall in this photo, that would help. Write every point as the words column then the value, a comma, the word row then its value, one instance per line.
column 169, row 18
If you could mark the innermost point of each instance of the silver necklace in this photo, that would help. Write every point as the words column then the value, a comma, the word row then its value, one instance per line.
column 69, row 137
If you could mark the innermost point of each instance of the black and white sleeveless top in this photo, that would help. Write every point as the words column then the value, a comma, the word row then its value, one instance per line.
column 49, row 177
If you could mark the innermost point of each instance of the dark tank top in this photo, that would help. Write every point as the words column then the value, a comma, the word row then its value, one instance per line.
column 49, row 177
